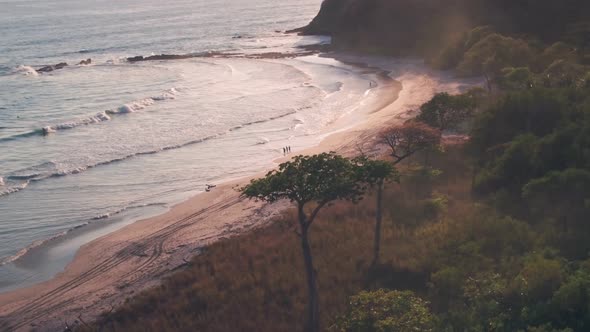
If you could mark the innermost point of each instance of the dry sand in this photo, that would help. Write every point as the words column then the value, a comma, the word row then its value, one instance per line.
column 112, row 268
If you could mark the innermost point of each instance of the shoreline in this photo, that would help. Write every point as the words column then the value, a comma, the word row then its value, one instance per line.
column 116, row 266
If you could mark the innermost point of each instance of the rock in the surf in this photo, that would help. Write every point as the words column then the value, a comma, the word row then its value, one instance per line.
column 49, row 68
column 85, row 62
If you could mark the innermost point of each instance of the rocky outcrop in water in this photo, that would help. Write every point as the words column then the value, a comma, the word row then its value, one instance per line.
column 85, row 62
column 161, row 57
column 46, row 69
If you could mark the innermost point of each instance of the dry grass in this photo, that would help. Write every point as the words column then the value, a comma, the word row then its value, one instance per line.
column 256, row 282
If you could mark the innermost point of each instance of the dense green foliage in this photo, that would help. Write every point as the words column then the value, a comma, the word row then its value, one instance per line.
column 386, row 311
column 446, row 112
column 319, row 178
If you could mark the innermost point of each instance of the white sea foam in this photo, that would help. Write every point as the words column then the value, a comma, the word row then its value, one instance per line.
column 136, row 105
column 1, row 181
column 131, row 107
column 26, row 70
column 262, row 141
column 168, row 94
column 12, row 189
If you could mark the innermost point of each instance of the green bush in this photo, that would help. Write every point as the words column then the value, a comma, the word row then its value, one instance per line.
column 386, row 311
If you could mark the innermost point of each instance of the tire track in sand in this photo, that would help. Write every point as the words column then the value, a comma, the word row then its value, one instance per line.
column 154, row 243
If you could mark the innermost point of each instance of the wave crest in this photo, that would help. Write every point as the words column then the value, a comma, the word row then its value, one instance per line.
column 21, row 253
column 107, row 115
column 21, row 178
column 26, row 70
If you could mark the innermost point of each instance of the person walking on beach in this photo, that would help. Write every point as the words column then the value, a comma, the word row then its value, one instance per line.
column 284, row 151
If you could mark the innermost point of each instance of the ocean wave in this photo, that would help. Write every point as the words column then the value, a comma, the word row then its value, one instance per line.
column 5, row 70
column 12, row 189
column 37, row 132
column 119, row 211
column 22, row 178
column 99, row 117
column 21, row 253
column 26, row 70
column 262, row 141
column 264, row 120
column 1, row 181
column 297, row 122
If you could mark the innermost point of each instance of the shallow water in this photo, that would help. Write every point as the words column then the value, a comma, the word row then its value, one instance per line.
column 124, row 141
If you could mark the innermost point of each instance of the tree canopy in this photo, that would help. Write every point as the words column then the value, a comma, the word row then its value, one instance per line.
column 319, row 178
column 445, row 111
column 387, row 311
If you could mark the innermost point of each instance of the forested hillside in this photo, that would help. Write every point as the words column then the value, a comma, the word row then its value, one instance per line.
column 424, row 26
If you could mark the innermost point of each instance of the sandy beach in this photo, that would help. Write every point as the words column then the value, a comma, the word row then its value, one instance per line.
column 112, row 268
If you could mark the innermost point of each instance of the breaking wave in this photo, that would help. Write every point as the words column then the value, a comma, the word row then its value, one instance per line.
column 119, row 211
column 26, row 70
column 12, row 189
column 20, row 179
column 262, row 141
column 99, row 117
column 107, row 115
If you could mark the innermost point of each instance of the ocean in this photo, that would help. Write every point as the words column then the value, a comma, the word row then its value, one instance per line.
column 87, row 149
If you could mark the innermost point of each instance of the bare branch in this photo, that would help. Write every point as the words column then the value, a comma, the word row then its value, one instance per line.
column 315, row 212
column 407, row 139
column 360, row 149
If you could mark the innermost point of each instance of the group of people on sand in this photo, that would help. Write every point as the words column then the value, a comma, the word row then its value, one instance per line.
column 286, row 150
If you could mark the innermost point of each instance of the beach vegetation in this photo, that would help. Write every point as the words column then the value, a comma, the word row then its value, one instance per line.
column 376, row 173
column 447, row 112
column 407, row 139
column 320, row 180
column 386, row 311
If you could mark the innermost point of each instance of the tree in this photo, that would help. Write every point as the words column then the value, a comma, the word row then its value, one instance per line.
column 562, row 73
column 516, row 78
column 563, row 195
column 385, row 311
column 492, row 54
column 444, row 111
column 319, row 179
column 407, row 139
column 375, row 173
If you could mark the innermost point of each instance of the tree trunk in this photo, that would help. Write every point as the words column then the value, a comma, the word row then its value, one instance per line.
column 313, row 307
column 378, row 218
column 473, row 176
column 488, row 82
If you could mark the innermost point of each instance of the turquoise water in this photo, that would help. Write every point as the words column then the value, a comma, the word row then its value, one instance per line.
column 89, row 148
